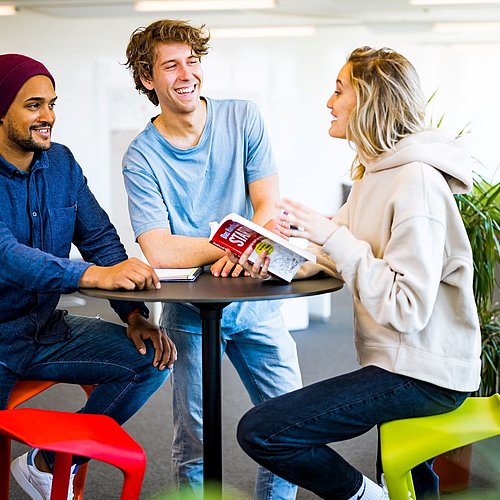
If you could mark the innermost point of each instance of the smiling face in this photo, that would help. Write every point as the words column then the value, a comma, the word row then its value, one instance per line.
column 342, row 103
column 27, row 126
column 177, row 78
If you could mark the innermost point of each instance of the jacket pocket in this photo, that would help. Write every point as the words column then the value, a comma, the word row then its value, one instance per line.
column 61, row 229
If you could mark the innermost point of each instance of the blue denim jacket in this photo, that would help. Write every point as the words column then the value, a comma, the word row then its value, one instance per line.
column 41, row 213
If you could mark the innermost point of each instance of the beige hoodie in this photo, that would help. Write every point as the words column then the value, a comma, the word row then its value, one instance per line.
column 403, row 252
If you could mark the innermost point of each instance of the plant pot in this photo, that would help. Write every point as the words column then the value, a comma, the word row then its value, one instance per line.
column 453, row 469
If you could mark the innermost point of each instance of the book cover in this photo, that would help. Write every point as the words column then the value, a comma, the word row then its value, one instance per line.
column 235, row 233
column 181, row 274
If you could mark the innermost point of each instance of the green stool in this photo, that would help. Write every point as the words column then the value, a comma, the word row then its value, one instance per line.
column 409, row 442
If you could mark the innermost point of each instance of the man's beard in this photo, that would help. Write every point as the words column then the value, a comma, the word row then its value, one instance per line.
column 27, row 143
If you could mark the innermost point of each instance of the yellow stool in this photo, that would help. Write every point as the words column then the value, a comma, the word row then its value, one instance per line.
column 409, row 442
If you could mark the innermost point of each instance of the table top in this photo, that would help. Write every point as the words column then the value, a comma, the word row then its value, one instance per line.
column 209, row 289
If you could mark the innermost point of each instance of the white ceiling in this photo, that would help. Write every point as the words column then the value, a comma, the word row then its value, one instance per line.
column 377, row 15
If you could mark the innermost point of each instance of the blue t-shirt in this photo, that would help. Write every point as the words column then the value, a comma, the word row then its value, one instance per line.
column 185, row 189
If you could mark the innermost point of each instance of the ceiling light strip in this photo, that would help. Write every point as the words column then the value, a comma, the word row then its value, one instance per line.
column 263, row 32
column 466, row 27
column 184, row 5
column 8, row 10
column 452, row 2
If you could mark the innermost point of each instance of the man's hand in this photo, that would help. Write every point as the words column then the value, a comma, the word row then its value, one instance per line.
column 131, row 274
column 258, row 269
column 140, row 329
column 224, row 268
column 229, row 265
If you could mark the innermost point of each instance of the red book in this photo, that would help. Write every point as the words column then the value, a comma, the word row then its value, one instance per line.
column 235, row 233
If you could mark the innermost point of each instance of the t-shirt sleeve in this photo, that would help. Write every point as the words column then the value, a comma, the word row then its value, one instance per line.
column 146, row 207
column 260, row 158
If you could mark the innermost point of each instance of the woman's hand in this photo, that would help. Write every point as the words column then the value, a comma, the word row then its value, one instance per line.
column 279, row 227
column 305, row 223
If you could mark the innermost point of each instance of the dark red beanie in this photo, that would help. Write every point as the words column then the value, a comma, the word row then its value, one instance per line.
column 15, row 70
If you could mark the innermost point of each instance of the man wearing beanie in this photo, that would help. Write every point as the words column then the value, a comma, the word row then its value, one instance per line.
column 46, row 206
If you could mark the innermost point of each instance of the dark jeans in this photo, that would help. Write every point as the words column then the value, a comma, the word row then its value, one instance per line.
column 289, row 434
column 98, row 352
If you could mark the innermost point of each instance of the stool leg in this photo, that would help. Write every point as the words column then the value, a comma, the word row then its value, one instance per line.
column 398, row 485
column 4, row 467
column 62, row 469
column 79, row 482
column 132, row 484
column 409, row 484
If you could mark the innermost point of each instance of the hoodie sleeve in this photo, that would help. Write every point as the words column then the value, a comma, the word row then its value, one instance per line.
column 397, row 281
column 398, row 290
column 323, row 263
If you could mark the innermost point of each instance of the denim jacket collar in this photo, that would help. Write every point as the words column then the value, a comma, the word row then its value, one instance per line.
column 40, row 160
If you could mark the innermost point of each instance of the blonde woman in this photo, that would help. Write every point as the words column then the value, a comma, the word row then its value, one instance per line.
column 400, row 246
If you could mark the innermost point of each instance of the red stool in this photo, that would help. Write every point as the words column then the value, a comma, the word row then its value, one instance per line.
column 65, row 433
column 27, row 389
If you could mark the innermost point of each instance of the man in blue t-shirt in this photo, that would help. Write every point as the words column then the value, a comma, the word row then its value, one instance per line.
column 194, row 163
column 46, row 206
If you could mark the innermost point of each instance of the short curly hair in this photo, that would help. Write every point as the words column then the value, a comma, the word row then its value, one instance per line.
column 141, row 49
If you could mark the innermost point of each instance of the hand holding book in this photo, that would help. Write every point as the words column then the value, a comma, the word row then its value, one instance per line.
column 237, row 234
column 258, row 269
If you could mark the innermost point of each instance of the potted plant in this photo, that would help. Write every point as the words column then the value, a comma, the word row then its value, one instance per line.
column 480, row 211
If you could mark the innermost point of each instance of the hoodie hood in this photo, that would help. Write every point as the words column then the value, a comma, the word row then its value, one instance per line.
column 435, row 148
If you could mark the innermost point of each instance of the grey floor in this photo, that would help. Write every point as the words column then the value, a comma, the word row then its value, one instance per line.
column 325, row 349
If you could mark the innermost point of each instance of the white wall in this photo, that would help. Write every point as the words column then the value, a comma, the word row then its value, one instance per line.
column 290, row 79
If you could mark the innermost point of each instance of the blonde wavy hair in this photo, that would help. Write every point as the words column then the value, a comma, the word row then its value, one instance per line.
column 141, row 49
column 390, row 104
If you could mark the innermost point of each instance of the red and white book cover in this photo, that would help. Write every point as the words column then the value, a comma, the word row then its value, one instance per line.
column 235, row 233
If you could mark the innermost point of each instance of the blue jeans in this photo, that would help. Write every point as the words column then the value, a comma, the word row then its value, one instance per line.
column 289, row 435
column 265, row 358
column 97, row 352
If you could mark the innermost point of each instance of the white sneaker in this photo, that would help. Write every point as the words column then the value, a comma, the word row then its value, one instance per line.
column 35, row 483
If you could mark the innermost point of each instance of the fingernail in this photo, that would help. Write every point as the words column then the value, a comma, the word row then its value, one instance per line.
column 142, row 350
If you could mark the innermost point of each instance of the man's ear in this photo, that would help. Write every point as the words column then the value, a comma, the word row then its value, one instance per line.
column 147, row 83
